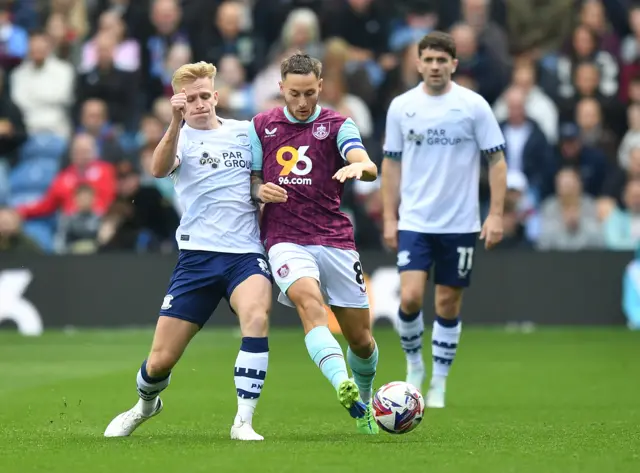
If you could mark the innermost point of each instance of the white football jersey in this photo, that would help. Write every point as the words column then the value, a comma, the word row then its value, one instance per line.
column 439, row 141
column 213, row 183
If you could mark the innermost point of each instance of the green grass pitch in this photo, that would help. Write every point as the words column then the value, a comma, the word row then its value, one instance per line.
column 555, row 400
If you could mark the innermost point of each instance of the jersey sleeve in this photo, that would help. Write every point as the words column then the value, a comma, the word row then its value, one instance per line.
column 256, row 148
column 393, row 141
column 348, row 138
column 487, row 131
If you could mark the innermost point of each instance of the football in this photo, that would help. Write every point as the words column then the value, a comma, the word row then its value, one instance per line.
column 398, row 407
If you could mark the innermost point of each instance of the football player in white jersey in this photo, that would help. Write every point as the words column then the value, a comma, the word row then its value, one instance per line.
column 435, row 136
column 221, row 256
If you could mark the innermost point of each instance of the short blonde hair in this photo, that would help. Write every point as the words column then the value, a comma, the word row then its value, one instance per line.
column 192, row 72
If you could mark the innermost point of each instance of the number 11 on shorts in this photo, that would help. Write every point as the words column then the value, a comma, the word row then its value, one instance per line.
column 465, row 260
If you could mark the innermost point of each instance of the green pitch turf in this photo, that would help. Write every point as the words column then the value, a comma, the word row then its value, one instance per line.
column 551, row 401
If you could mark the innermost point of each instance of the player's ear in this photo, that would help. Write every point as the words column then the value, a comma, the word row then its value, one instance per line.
column 419, row 65
column 455, row 66
column 281, row 87
column 215, row 98
column 320, row 85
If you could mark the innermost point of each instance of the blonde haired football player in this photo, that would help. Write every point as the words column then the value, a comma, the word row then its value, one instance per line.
column 221, row 256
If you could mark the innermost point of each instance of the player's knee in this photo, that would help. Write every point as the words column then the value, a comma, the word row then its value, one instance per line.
column 306, row 296
column 254, row 321
column 448, row 302
column 411, row 299
column 161, row 362
column 311, row 309
column 362, row 343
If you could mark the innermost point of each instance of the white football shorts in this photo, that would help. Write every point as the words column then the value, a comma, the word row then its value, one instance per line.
column 338, row 271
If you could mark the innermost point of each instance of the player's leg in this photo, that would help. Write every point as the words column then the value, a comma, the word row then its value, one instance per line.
column 341, row 272
column 454, row 262
column 414, row 262
column 297, row 275
column 190, row 301
column 249, row 294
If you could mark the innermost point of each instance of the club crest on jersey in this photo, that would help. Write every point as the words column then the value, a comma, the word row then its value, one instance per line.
column 283, row 271
column 321, row 130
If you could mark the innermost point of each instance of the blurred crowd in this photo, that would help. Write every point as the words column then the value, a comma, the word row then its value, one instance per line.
column 84, row 88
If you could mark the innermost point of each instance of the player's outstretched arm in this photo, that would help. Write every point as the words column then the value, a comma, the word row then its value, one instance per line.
column 390, row 188
column 492, row 229
column 165, row 157
column 350, row 145
column 360, row 166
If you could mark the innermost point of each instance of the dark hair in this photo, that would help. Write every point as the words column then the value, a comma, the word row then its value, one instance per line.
column 302, row 64
column 438, row 41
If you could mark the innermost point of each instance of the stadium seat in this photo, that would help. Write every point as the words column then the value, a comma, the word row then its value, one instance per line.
column 42, row 232
column 33, row 175
column 43, row 146
column 4, row 182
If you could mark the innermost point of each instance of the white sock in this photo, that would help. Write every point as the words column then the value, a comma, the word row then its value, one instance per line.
column 444, row 344
column 249, row 375
column 411, row 329
column 149, row 388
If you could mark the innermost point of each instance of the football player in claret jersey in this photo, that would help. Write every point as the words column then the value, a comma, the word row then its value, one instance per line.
column 303, row 154
column 435, row 136
column 221, row 256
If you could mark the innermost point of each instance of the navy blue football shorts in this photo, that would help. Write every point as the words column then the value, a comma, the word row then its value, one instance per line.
column 201, row 279
column 449, row 255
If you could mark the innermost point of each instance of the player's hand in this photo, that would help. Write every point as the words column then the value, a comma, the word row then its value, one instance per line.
column 179, row 104
column 271, row 193
column 492, row 231
column 390, row 233
column 352, row 171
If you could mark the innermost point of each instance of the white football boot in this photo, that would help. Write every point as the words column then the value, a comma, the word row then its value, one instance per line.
column 241, row 430
column 416, row 375
column 124, row 424
column 435, row 396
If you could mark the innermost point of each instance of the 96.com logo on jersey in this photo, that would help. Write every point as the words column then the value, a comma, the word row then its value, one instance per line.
column 295, row 165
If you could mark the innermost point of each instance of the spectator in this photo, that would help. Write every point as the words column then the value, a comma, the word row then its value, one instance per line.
column 593, row 131
column 527, row 147
column 569, row 220
column 235, row 95
column 592, row 14
column 117, row 88
column 585, row 47
column 477, row 64
column 166, row 16
column 336, row 97
column 632, row 137
column 228, row 36
column 491, row 37
column 539, row 106
column 42, row 88
column 14, row 41
column 62, row 41
column 361, row 23
column 619, row 177
column 590, row 162
column 622, row 227
column 126, row 55
column 12, row 238
column 514, row 229
column 77, row 233
column 139, row 219
column 85, row 168
column 94, row 121
column 12, row 129
column 301, row 31
column 586, row 80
